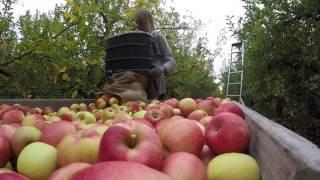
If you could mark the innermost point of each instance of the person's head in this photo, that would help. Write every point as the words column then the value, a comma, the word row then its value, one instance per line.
column 144, row 21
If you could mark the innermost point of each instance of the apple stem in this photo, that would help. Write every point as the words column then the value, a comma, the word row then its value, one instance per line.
column 133, row 141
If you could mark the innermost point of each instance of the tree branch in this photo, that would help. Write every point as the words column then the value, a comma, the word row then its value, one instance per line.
column 34, row 48
column 177, row 28
column 298, row 17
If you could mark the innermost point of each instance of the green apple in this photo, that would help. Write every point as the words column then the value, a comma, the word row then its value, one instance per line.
column 113, row 100
column 122, row 109
column 63, row 110
column 235, row 166
column 107, row 113
column 37, row 161
column 82, row 146
column 139, row 114
column 53, row 119
column 100, row 103
column 23, row 136
column 86, row 117
column 75, row 107
column 83, row 107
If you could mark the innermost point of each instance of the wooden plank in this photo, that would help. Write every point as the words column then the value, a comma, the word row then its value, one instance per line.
column 281, row 153
column 54, row 103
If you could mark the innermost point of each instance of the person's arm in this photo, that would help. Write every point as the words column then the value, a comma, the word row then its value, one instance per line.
column 170, row 62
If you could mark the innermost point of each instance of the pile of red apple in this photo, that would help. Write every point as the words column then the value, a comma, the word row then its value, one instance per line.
column 173, row 139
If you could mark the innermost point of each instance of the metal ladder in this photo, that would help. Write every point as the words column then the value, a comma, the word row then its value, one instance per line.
column 235, row 75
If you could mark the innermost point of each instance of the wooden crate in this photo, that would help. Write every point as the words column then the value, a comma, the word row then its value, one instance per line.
column 54, row 103
column 281, row 153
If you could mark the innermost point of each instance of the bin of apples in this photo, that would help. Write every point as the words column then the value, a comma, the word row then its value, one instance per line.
column 187, row 139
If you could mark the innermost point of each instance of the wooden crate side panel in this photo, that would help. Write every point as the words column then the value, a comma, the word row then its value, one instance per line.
column 54, row 103
column 281, row 153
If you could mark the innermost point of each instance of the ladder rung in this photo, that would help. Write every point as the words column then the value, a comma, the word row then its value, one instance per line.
column 233, row 95
column 236, row 52
column 234, row 83
column 235, row 62
column 233, row 72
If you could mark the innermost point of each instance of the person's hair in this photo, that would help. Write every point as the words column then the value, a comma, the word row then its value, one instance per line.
column 142, row 18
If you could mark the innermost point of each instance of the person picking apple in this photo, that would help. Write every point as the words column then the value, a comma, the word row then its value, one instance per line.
column 131, row 85
column 164, row 60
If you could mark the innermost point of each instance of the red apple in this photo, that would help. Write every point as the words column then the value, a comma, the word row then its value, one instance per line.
column 208, row 106
column 210, row 98
column 53, row 133
column 199, row 125
column 226, row 100
column 13, row 116
column 153, row 116
column 206, row 155
column 176, row 112
column 205, row 120
column 82, row 146
column 182, row 135
column 217, row 101
column 187, row 105
column 47, row 110
column 184, row 166
column 21, row 108
column 159, row 126
column 35, row 111
column 197, row 115
column 106, row 97
column 177, row 117
column 5, row 150
column 227, row 132
column 4, row 108
column 133, row 106
column 229, row 107
column 143, row 121
column 131, row 141
column 66, row 172
column 10, row 175
column 173, row 102
column 35, row 120
column 69, row 116
column 7, row 131
column 24, row 136
column 166, row 110
column 121, row 117
column 150, row 106
column 119, row 170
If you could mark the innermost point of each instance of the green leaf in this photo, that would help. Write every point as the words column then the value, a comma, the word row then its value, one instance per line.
column 65, row 77
column 62, row 69
column 74, row 94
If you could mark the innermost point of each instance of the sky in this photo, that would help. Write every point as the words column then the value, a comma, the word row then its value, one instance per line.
column 211, row 12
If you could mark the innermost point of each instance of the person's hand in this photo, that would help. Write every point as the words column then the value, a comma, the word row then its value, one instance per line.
column 156, row 71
